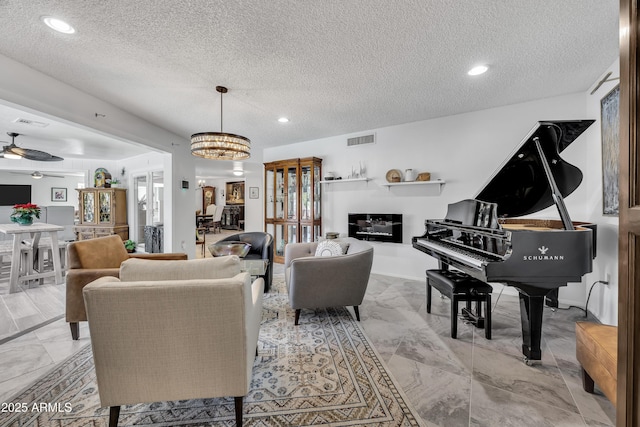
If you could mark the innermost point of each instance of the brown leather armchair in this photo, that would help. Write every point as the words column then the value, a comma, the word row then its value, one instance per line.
column 91, row 259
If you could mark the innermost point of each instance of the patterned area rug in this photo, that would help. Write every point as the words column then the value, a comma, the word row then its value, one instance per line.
column 322, row 372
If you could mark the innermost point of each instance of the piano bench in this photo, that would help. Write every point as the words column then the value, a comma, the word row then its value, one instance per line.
column 597, row 353
column 458, row 286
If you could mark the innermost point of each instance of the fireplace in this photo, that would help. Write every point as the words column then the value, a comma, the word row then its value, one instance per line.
column 377, row 227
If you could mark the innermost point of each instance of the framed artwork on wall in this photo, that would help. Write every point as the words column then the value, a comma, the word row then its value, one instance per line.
column 235, row 193
column 58, row 194
column 254, row 192
column 610, row 123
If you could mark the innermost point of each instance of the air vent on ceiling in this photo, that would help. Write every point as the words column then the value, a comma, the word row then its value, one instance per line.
column 360, row 140
column 30, row 122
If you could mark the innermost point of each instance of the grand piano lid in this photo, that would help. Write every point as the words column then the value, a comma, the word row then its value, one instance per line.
column 520, row 186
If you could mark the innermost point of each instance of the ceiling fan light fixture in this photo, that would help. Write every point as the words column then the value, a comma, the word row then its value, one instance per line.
column 220, row 145
column 13, row 156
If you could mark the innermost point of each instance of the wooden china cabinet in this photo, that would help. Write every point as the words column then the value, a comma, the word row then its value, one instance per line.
column 102, row 212
column 292, row 202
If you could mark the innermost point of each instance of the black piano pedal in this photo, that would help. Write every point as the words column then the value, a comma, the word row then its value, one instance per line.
column 469, row 316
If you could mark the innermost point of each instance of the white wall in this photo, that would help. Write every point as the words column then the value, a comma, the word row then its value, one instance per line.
column 604, row 298
column 464, row 150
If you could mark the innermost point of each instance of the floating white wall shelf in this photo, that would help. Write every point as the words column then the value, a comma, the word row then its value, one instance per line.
column 438, row 182
column 333, row 181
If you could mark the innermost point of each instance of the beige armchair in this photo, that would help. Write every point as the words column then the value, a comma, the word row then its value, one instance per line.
column 327, row 281
column 174, row 330
column 91, row 259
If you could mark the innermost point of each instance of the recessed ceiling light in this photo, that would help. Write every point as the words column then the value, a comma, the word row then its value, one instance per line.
column 480, row 69
column 283, row 120
column 58, row 25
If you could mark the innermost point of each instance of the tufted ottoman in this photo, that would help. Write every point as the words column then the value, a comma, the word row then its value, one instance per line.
column 458, row 286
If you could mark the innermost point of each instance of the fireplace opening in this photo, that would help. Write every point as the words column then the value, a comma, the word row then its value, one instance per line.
column 376, row 227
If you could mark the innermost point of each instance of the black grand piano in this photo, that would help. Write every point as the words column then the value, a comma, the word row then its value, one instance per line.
column 482, row 238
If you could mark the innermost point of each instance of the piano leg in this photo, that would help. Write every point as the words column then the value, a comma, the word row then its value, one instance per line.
column 552, row 298
column 531, row 307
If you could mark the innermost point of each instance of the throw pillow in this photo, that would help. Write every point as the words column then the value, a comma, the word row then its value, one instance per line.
column 343, row 245
column 328, row 248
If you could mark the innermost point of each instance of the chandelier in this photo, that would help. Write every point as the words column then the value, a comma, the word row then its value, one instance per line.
column 220, row 145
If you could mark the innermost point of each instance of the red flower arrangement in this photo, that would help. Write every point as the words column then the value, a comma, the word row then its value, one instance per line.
column 24, row 213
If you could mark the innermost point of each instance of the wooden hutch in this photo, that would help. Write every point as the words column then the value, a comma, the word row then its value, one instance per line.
column 102, row 212
column 292, row 202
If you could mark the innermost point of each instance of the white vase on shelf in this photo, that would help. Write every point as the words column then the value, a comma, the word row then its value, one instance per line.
column 410, row 175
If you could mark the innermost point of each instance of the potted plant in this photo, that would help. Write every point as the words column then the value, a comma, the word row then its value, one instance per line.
column 23, row 213
column 115, row 183
column 130, row 245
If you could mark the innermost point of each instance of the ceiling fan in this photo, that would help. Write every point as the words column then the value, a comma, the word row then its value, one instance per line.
column 12, row 151
column 38, row 175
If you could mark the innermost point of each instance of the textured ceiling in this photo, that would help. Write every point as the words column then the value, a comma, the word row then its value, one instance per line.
column 332, row 66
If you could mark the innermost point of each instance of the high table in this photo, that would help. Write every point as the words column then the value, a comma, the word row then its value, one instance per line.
column 33, row 231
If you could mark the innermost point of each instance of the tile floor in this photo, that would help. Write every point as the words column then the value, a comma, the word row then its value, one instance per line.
column 470, row 381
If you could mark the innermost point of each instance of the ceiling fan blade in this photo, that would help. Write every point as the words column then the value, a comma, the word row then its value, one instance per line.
column 38, row 175
column 30, row 154
column 51, row 158
column 27, row 153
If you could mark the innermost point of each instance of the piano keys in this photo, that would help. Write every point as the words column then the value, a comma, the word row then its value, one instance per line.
column 536, row 256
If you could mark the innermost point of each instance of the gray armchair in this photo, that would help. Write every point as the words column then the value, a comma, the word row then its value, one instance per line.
column 327, row 281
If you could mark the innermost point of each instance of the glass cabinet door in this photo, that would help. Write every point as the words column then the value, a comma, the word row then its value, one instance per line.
column 316, row 191
column 279, row 193
column 305, row 193
column 292, row 193
column 305, row 235
column 88, row 207
column 278, row 237
column 104, row 200
column 269, row 194
column 292, row 233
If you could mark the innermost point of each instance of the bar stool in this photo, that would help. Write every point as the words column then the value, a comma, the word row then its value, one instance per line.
column 458, row 286
column 26, row 257
column 38, row 260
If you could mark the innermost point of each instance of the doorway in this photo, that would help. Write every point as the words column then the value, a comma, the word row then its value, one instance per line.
column 148, row 188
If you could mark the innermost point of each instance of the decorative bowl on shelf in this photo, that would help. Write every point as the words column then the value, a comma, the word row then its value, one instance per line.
column 394, row 175
column 424, row 176
column 229, row 248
